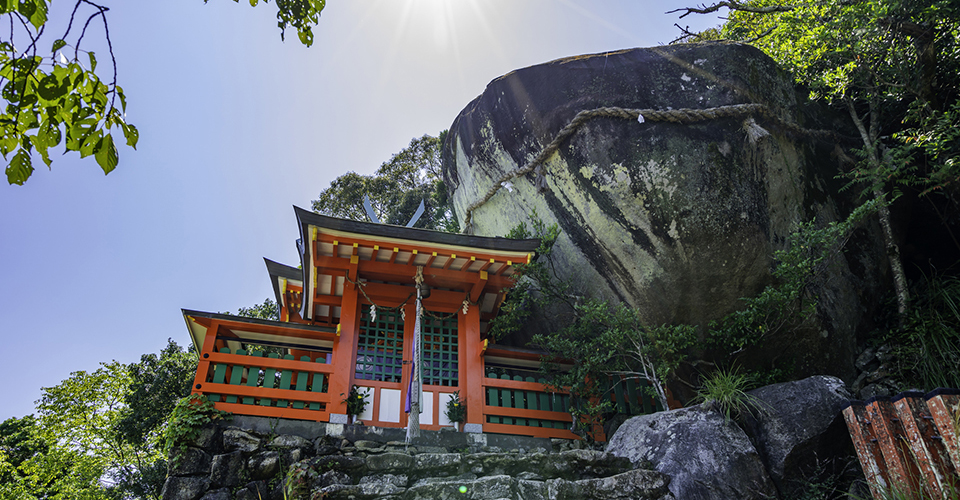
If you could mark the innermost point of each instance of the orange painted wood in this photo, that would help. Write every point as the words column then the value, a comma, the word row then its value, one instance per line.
column 493, row 350
column 543, row 432
column 471, row 364
column 267, row 393
column 524, row 413
column 268, row 411
column 345, row 349
column 283, row 364
column 890, row 433
column 478, row 286
column 425, row 249
column 518, row 385
column 320, row 299
column 449, row 261
column 434, row 277
column 392, row 295
column 945, row 410
column 868, row 450
column 209, row 344
column 376, row 383
column 927, row 453
column 287, row 330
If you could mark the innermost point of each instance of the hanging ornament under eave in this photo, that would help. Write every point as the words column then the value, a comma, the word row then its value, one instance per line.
column 373, row 312
column 415, row 389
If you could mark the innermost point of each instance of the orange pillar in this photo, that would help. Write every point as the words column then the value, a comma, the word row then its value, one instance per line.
column 203, row 366
column 345, row 349
column 471, row 364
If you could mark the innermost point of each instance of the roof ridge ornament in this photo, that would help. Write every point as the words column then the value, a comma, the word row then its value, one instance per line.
column 372, row 215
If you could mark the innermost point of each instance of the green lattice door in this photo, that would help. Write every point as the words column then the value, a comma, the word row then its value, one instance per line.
column 440, row 363
column 380, row 347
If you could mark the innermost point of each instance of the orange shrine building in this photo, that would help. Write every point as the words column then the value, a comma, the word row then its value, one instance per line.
column 347, row 318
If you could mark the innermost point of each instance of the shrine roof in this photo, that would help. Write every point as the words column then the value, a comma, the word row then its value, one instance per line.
column 280, row 272
column 427, row 236
column 256, row 330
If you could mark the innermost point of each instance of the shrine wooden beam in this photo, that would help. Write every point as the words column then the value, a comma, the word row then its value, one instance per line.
column 385, row 271
column 285, row 329
column 427, row 248
column 478, row 286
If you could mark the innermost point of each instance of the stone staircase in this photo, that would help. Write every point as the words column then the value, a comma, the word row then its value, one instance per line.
column 263, row 459
column 390, row 471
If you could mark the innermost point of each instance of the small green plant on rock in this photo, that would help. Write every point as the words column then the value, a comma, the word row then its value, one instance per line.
column 726, row 391
column 300, row 479
column 189, row 415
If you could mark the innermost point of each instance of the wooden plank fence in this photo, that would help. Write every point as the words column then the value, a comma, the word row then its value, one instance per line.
column 909, row 443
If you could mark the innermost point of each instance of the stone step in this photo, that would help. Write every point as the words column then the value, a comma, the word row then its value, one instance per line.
column 634, row 484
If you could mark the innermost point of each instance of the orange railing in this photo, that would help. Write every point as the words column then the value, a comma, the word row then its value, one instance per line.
column 292, row 380
column 522, row 405
column 249, row 384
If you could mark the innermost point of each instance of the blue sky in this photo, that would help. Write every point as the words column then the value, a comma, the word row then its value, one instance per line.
column 237, row 127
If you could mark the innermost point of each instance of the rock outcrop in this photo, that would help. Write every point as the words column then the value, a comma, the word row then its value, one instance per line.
column 705, row 456
column 678, row 220
column 800, row 433
column 795, row 437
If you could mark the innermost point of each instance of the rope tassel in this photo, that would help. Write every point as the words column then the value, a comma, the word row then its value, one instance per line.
column 415, row 389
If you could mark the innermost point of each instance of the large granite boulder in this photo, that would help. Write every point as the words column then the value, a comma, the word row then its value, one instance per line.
column 706, row 456
column 800, row 433
column 677, row 220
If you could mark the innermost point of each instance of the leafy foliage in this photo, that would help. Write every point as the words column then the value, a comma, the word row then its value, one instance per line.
column 32, row 466
column 787, row 304
column 928, row 347
column 267, row 310
column 96, row 435
column 396, row 189
column 356, row 401
column 57, row 100
column 456, row 410
column 189, row 415
column 156, row 384
column 609, row 343
column 536, row 285
column 894, row 66
column 82, row 412
column 298, row 14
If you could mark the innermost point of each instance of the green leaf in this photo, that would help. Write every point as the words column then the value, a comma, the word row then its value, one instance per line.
column 12, row 91
column 57, row 45
column 51, row 88
column 39, row 17
column 48, row 134
column 20, row 168
column 90, row 144
column 306, row 36
column 131, row 133
column 93, row 61
column 107, row 155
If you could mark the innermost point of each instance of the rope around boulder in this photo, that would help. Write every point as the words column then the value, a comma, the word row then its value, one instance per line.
column 682, row 116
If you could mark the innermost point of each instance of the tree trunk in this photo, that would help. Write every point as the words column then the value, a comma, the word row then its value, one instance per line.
column 893, row 251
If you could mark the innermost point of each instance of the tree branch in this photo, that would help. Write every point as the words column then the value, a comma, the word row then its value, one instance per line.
column 732, row 5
